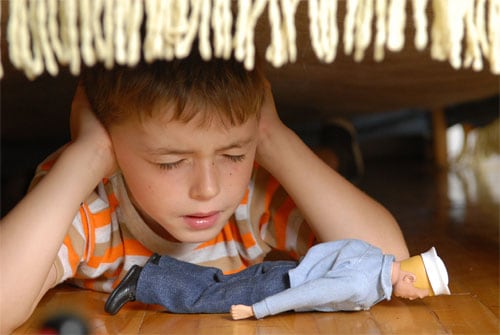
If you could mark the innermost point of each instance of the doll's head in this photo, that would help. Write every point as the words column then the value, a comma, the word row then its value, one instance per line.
column 420, row 276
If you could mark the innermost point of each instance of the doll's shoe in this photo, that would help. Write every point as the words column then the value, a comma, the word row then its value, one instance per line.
column 124, row 292
column 154, row 259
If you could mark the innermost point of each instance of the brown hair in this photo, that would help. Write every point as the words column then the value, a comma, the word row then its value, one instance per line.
column 218, row 88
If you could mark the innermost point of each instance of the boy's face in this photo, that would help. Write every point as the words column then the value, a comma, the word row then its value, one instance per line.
column 185, row 180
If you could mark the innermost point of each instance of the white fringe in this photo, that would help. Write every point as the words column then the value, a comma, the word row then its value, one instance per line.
column 43, row 34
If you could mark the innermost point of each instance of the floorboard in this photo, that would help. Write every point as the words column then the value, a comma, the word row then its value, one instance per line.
column 455, row 211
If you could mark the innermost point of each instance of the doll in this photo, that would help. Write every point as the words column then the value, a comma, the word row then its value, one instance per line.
column 345, row 275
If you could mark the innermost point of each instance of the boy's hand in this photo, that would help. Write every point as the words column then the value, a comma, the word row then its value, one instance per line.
column 270, row 125
column 86, row 128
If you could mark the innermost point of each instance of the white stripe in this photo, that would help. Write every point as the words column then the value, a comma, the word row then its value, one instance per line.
column 242, row 212
column 131, row 260
column 98, row 205
column 212, row 253
column 295, row 220
column 263, row 231
column 253, row 252
column 107, row 286
column 101, row 191
column 64, row 259
column 78, row 225
column 103, row 234
column 92, row 272
column 114, row 222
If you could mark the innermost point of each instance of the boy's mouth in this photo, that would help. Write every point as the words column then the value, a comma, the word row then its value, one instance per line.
column 200, row 221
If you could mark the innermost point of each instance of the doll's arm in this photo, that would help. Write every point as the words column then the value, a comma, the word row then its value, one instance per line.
column 323, row 294
column 333, row 207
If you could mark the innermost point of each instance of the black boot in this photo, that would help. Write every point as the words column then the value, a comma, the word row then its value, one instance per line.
column 155, row 259
column 124, row 292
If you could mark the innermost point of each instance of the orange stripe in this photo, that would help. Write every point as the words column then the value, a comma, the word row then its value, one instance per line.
column 111, row 255
column 134, row 247
column 129, row 247
column 229, row 233
column 234, row 233
column 294, row 255
column 101, row 219
column 244, row 201
column 312, row 240
column 263, row 220
column 225, row 235
column 248, row 240
column 115, row 273
column 73, row 257
column 88, row 284
column 281, row 221
column 271, row 188
column 85, row 227
column 243, row 267
column 113, row 202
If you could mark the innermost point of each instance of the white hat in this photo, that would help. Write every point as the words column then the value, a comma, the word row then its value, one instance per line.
column 436, row 271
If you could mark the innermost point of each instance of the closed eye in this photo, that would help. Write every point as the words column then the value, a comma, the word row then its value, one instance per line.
column 235, row 158
column 170, row 166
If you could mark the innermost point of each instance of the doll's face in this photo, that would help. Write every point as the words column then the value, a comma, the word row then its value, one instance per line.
column 185, row 180
column 403, row 287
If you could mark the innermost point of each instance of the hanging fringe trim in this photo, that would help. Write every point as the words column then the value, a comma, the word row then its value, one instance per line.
column 43, row 34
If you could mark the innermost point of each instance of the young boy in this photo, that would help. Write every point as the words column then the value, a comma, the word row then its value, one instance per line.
column 344, row 275
column 164, row 161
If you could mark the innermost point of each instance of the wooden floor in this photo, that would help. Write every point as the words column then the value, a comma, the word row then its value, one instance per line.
column 454, row 211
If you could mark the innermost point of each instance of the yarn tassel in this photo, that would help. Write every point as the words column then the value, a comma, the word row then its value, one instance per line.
column 45, row 34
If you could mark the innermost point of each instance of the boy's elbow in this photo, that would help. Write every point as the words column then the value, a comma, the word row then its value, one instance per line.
column 8, row 324
column 12, row 318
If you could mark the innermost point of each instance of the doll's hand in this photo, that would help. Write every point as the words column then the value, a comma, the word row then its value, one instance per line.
column 239, row 312
column 86, row 129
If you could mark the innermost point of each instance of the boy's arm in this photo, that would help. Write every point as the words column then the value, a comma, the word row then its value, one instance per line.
column 333, row 207
column 32, row 233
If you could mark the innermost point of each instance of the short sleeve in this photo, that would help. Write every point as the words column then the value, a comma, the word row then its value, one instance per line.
column 73, row 250
column 74, row 246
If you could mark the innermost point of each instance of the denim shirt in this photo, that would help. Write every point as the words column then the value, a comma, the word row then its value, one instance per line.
column 346, row 275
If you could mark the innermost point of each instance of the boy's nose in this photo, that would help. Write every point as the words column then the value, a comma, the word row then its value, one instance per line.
column 205, row 182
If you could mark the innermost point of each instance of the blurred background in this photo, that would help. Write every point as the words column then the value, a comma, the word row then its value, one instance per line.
column 426, row 137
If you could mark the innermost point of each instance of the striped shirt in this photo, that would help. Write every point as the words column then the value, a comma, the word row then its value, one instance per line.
column 108, row 236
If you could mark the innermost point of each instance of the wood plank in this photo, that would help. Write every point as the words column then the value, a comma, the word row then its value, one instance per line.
column 464, row 314
column 464, row 233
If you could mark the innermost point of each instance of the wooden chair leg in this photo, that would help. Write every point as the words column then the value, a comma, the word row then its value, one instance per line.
column 439, row 127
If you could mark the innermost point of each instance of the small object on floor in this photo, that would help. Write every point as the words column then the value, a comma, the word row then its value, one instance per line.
column 339, row 136
column 65, row 324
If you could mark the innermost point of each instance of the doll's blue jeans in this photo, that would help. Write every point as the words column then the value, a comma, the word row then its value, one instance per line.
column 187, row 288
